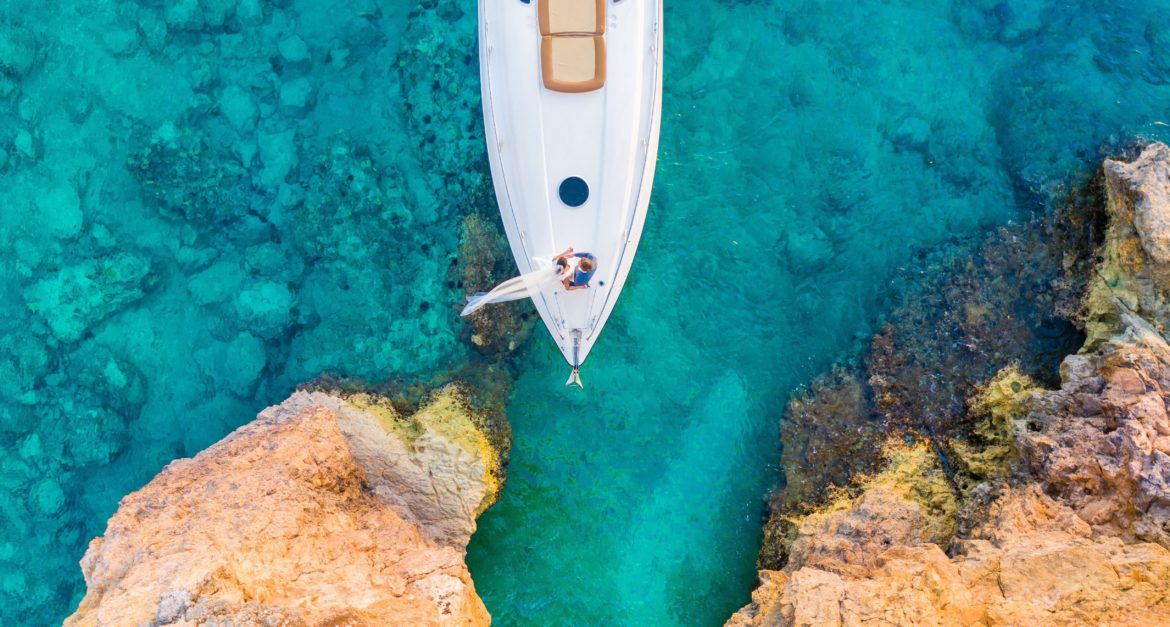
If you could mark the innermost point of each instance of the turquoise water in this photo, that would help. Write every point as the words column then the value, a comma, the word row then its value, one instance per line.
column 206, row 202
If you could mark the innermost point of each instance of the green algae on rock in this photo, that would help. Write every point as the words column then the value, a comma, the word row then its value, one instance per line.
column 909, row 502
column 468, row 408
column 1137, row 248
column 996, row 409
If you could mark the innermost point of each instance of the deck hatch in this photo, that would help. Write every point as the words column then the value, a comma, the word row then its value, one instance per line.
column 574, row 191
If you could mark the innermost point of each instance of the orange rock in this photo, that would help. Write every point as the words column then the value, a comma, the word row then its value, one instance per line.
column 318, row 512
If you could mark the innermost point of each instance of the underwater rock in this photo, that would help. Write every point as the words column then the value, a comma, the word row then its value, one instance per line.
column 216, row 12
column 97, row 433
column 234, row 366
column 351, row 212
column 86, row 293
column 121, row 41
column 296, row 94
column 293, row 49
column 322, row 510
column 238, row 107
column 154, row 30
column 1052, row 505
column 185, row 15
column 18, row 51
column 23, row 360
column 25, row 144
column 250, row 12
column 267, row 308
column 362, row 241
column 278, row 152
column 59, row 211
column 186, row 178
column 484, row 262
column 436, row 66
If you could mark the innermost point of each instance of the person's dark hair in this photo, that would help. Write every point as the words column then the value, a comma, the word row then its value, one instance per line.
column 586, row 265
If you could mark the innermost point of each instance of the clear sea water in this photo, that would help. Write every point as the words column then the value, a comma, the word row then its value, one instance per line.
column 206, row 202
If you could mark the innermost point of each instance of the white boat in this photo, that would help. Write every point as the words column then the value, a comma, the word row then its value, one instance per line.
column 572, row 101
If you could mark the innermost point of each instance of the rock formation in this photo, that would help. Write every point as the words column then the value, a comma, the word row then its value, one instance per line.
column 484, row 262
column 1033, row 506
column 324, row 510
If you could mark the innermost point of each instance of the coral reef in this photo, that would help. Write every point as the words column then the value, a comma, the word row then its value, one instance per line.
column 322, row 510
column 1029, row 505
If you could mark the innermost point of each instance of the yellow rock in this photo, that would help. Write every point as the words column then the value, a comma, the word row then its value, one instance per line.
column 1000, row 405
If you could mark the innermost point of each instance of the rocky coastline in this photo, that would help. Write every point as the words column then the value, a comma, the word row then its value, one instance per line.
column 330, row 508
column 995, row 496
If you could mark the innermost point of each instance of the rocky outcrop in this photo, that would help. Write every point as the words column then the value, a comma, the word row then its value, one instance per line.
column 1029, row 506
column 1135, row 272
column 1033, row 562
column 324, row 510
column 1101, row 444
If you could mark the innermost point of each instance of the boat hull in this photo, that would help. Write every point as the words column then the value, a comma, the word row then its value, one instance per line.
column 538, row 138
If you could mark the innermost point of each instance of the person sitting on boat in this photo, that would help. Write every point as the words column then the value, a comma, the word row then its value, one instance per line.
column 576, row 269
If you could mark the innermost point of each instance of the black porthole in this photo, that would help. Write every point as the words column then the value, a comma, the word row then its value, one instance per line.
column 574, row 191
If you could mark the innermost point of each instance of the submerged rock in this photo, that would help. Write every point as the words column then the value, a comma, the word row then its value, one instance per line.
column 18, row 52
column 324, row 510
column 86, row 293
column 189, row 180
column 484, row 262
column 1053, row 505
